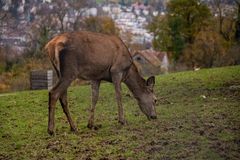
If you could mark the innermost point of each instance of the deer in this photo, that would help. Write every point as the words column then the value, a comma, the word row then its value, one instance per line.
column 95, row 57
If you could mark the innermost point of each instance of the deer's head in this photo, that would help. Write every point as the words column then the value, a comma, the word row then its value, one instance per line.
column 148, row 100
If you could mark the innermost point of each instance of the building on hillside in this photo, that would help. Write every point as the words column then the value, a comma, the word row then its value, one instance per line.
column 129, row 21
column 150, row 62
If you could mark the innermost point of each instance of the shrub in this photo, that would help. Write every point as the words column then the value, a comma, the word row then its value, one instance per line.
column 207, row 50
column 100, row 24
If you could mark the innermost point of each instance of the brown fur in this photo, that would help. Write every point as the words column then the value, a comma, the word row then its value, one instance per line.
column 95, row 57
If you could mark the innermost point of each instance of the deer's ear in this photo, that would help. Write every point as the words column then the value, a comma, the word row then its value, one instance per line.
column 151, row 81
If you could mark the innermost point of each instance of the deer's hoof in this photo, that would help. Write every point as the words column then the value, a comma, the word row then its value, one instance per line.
column 51, row 132
column 74, row 130
column 90, row 126
column 122, row 122
column 95, row 127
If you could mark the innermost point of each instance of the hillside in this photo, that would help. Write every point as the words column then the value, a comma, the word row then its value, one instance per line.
column 198, row 118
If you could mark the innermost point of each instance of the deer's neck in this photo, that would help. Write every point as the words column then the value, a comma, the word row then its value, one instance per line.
column 135, row 83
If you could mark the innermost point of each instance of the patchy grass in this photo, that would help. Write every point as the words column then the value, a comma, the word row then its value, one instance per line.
column 198, row 118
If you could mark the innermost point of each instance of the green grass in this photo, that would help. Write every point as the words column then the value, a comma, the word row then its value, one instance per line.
column 198, row 118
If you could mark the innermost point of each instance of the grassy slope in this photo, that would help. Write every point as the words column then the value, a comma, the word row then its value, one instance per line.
column 189, row 126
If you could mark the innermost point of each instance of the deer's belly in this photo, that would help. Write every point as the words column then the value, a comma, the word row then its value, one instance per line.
column 95, row 73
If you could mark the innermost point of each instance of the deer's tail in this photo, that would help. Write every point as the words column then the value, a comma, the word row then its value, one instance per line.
column 53, row 49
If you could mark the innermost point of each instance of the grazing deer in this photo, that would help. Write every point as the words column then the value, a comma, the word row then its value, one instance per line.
column 95, row 57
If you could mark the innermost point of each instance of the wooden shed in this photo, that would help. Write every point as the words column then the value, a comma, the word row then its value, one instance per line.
column 41, row 79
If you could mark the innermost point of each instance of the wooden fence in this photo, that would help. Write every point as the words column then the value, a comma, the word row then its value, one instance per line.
column 41, row 79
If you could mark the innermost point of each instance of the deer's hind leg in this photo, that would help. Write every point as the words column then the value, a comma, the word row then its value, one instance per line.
column 64, row 104
column 95, row 93
column 54, row 95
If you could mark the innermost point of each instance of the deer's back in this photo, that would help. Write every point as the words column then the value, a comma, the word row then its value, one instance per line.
column 89, row 55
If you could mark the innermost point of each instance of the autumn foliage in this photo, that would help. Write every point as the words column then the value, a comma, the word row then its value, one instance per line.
column 196, row 37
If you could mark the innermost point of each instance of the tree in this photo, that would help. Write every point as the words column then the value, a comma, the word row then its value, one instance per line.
column 237, row 35
column 207, row 50
column 191, row 14
column 101, row 25
column 178, row 28
column 161, row 33
column 218, row 6
column 78, row 6
column 177, row 40
column 42, row 29
column 225, row 19
column 8, row 25
column 61, row 10
column 2, row 59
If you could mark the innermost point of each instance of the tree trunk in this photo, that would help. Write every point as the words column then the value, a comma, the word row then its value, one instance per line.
column 237, row 35
column 220, row 20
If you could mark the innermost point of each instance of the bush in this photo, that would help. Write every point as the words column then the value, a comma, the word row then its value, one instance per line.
column 232, row 57
column 207, row 50
column 18, row 77
column 101, row 25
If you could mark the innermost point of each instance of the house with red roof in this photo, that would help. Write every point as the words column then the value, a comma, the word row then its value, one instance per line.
column 150, row 62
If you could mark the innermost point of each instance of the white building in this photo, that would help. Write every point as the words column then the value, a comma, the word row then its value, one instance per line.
column 130, row 21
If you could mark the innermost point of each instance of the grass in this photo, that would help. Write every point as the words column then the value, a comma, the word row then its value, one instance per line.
column 198, row 118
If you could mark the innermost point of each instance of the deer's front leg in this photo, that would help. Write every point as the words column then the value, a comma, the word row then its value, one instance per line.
column 95, row 93
column 116, row 78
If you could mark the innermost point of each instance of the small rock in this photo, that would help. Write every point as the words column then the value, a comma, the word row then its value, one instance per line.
column 203, row 96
